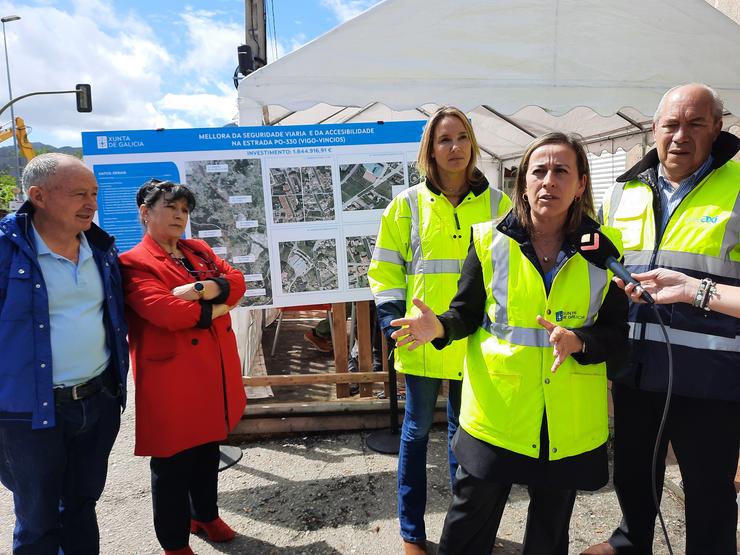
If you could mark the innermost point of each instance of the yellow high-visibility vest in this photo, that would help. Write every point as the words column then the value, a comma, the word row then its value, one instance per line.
column 508, row 383
column 421, row 245
column 701, row 238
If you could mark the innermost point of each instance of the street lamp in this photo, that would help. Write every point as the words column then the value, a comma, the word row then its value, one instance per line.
column 8, row 19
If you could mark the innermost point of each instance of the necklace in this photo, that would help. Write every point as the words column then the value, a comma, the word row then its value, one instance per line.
column 551, row 253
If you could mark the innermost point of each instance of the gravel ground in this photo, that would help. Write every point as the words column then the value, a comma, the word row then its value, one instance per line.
column 320, row 494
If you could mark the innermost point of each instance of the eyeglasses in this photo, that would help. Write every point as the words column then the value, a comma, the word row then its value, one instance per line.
column 211, row 270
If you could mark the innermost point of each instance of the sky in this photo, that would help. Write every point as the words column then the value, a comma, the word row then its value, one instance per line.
column 151, row 63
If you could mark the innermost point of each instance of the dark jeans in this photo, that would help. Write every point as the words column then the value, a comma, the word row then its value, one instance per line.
column 184, row 485
column 421, row 400
column 705, row 435
column 57, row 475
column 474, row 515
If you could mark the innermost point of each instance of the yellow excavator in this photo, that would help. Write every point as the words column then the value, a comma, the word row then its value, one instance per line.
column 24, row 146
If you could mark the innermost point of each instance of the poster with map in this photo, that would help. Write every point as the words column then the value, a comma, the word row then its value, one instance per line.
column 302, row 194
column 295, row 208
column 369, row 186
column 229, row 215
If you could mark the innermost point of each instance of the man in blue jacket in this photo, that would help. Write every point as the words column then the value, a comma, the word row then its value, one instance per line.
column 65, row 358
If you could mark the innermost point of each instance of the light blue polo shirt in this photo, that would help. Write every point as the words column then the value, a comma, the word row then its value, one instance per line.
column 78, row 344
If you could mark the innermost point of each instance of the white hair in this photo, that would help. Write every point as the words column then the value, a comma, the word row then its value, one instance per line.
column 43, row 167
column 718, row 107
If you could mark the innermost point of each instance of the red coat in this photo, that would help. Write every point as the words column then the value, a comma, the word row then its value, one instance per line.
column 180, row 371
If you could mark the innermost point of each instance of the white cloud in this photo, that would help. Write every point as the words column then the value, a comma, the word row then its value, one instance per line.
column 347, row 9
column 211, row 45
column 141, row 78
column 211, row 109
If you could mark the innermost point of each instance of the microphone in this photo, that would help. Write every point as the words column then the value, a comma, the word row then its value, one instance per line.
column 598, row 250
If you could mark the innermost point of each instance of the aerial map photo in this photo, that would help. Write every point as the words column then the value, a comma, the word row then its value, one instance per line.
column 359, row 254
column 369, row 186
column 230, row 216
column 414, row 177
column 308, row 265
column 302, row 194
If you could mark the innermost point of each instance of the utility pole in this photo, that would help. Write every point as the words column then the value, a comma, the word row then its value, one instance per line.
column 255, row 30
column 252, row 56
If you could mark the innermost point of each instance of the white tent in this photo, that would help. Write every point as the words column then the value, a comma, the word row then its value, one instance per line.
column 519, row 68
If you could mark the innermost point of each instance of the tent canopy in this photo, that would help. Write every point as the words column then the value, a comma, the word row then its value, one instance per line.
column 519, row 68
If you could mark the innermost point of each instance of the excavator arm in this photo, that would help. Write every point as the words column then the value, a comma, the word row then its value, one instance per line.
column 24, row 145
column 21, row 135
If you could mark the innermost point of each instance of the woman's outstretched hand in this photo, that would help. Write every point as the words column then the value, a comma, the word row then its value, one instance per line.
column 665, row 286
column 564, row 342
column 419, row 329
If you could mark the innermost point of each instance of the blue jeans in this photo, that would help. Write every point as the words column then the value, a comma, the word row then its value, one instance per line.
column 421, row 398
column 57, row 475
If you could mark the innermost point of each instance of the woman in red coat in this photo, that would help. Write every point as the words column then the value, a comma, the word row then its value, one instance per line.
column 189, row 391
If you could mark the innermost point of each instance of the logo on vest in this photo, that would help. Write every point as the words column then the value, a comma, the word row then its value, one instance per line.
column 561, row 315
column 709, row 219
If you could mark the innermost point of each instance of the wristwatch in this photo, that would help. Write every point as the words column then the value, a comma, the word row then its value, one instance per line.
column 199, row 288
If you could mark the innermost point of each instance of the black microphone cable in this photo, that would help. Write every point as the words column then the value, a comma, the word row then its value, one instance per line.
column 659, row 438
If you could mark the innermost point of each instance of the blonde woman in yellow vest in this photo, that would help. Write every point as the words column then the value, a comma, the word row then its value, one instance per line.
column 542, row 322
column 421, row 245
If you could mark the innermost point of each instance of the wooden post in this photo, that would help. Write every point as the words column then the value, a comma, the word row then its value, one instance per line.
column 339, row 341
column 384, row 354
column 365, row 355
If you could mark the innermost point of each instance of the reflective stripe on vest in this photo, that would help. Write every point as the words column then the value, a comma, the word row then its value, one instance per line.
column 451, row 266
column 418, row 265
column 388, row 255
column 508, row 382
column 530, row 337
column 701, row 238
column 700, row 262
column 388, row 295
column 421, row 245
column 685, row 338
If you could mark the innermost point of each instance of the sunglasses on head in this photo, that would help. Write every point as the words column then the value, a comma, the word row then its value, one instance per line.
column 149, row 186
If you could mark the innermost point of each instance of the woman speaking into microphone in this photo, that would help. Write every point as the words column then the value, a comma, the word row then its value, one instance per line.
column 542, row 323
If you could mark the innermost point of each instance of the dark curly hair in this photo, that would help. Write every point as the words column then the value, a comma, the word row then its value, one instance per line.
column 154, row 189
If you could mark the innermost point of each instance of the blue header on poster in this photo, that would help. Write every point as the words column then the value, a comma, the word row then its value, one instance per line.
column 99, row 143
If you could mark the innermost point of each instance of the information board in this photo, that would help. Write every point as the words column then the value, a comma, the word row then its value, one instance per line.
column 295, row 208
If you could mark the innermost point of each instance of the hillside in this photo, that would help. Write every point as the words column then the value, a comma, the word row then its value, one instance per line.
column 6, row 154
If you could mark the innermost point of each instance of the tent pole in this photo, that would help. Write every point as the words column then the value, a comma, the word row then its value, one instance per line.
column 353, row 116
column 630, row 120
column 510, row 121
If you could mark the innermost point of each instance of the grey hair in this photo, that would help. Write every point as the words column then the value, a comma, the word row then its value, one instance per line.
column 43, row 167
column 718, row 107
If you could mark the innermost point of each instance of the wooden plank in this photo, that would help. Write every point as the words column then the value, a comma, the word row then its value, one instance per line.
column 310, row 379
column 262, row 427
column 356, row 406
column 359, row 406
column 339, row 341
column 364, row 345
column 258, row 408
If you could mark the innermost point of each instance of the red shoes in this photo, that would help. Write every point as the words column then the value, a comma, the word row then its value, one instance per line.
column 216, row 530
column 323, row 344
column 183, row 551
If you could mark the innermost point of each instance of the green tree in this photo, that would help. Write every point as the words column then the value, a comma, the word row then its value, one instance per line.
column 8, row 189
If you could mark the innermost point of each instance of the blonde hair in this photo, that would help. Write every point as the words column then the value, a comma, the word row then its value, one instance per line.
column 426, row 163
column 580, row 207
